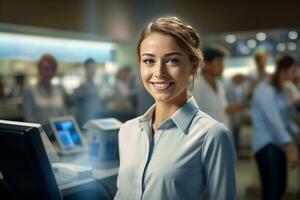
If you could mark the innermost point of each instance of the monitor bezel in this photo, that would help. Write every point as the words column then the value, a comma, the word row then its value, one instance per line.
column 32, row 135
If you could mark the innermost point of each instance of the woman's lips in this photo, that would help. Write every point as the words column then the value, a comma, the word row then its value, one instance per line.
column 162, row 85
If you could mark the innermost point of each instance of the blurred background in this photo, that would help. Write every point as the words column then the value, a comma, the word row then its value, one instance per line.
column 106, row 33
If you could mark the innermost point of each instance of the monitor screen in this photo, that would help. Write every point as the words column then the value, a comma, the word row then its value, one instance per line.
column 67, row 133
column 25, row 170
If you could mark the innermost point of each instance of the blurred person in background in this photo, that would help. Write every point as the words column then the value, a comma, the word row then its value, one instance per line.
column 174, row 150
column 86, row 99
column 18, row 86
column 17, row 89
column 2, row 87
column 260, row 74
column 291, row 90
column 235, row 92
column 125, row 86
column 209, row 91
column 272, row 144
column 44, row 100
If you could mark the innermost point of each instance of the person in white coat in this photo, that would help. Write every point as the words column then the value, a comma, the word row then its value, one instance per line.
column 209, row 91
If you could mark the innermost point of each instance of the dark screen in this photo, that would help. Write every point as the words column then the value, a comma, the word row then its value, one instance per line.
column 24, row 166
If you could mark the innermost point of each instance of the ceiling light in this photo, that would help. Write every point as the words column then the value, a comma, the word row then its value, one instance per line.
column 230, row 38
column 293, row 35
column 280, row 47
column 292, row 46
column 251, row 43
column 261, row 36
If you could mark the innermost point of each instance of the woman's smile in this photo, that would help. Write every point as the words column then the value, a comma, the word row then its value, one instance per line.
column 162, row 86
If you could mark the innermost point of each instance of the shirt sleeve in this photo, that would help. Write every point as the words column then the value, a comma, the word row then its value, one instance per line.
column 117, row 195
column 271, row 112
column 219, row 160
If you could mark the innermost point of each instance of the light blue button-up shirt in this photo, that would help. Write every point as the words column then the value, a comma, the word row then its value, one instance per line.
column 270, row 113
column 190, row 156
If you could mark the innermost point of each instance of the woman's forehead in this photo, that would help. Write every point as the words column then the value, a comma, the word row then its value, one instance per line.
column 157, row 42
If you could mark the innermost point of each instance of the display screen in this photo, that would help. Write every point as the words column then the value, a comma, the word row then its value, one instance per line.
column 68, row 134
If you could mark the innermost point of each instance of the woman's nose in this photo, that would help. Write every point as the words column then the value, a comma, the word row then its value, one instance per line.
column 160, row 70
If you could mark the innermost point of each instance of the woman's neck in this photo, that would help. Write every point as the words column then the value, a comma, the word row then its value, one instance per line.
column 164, row 110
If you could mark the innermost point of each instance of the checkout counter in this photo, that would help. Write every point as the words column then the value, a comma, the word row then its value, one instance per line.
column 88, row 163
column 31, row 168
column 101, row 184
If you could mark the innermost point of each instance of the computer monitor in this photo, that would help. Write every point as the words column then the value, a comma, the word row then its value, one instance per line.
column 68, row 135
column 25, row 171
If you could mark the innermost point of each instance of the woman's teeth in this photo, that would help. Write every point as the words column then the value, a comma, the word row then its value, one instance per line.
column 162, row 86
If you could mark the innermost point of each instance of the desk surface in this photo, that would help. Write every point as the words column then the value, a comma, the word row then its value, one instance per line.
column 101, row 170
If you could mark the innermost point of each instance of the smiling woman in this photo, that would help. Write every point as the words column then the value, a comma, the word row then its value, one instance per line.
column 165, row 69
column 173, row 151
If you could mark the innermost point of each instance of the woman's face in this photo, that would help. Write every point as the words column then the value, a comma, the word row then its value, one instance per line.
column 165, row 68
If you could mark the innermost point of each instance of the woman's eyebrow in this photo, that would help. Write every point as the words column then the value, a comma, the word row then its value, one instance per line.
column 166, row 55
column 173, row 53
column 148, row 54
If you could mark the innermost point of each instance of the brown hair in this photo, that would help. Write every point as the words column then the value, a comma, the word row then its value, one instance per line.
column 283, row 63
column 49, row 58
column 186, row 37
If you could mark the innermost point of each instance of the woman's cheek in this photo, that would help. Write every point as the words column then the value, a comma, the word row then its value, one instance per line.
column 145, row 73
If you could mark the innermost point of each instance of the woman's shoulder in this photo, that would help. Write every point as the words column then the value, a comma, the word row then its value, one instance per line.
column 215, row 135
column 208, row 126
column 132, row 123
column 218, row 131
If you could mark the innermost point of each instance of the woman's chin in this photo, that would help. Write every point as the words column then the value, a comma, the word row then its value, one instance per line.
column 163, row 98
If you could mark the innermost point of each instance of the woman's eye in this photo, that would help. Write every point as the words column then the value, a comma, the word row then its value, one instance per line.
column 148, row 61
column 173, row 61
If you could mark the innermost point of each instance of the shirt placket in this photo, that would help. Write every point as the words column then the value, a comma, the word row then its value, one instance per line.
column 149, row 150
column 143, row 165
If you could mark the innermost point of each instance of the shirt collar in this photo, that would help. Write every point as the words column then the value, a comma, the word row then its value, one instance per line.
column 182, row 118
column 148, row 114
column 185, row 114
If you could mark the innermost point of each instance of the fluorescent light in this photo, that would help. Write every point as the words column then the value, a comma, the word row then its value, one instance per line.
column 293, row 35
column 32, row 47
column 251, row 43
column 245, row 50
column 53, row 40
column 292, row 46
column 261, row 36
column 230, row 39
column 281, row 47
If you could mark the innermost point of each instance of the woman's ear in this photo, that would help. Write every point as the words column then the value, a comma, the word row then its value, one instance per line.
column 194, row 69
